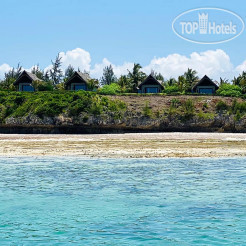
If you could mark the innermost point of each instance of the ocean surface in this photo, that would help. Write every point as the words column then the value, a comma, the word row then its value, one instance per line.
column 74, row 201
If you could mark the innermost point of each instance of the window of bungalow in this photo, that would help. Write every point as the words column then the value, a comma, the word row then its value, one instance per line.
column 27, row 88
column 152, row 90
column 206, row 91
column 79, row 87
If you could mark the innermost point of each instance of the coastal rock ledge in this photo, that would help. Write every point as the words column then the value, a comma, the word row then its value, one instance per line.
column 109, row 123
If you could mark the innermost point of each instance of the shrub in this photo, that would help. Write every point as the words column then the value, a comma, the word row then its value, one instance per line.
column 205, row 106
column 96, row 107
column 76, row 107
column 229, row 90
column 189, row 109
column 238, row 116
column 172, row 89
column 205, row 116
column 2, row 112
column 147, row 110
column 238, row 107
column 175, row 103
column 221, row 105
column 56, row 102
column 157, row 114
column 46, row 86
column 42, row 86
column 111, row 89
column 52, row 108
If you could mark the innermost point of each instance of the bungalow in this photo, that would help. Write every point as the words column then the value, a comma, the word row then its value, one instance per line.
column 150, row 85
column 205, row 86
column 78, row 81
column 24, row 81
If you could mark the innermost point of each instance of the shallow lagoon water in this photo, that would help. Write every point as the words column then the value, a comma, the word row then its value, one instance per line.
column 74, row 201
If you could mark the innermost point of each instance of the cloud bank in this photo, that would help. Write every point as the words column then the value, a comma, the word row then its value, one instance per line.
column 3, row 69
column 214, row 63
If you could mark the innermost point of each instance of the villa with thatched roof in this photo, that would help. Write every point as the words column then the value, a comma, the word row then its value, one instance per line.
column 205, row 86
column 78, row 81
column 150, row 85
column 24, row 81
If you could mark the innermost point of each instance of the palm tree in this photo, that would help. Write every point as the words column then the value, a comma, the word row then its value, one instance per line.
column 236, row 80
column 223, row 81
column 136, row 76
column 124, row 82
column 93, row 84
column 191, row 78
column 171, row 81
column 181, row 83
column 158, row 76
column 242, row 81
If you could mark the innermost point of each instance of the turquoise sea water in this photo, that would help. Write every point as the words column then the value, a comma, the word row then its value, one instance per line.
column 72, row 201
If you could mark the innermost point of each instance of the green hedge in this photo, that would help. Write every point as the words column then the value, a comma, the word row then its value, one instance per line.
column 229, row 90
column 53, row 103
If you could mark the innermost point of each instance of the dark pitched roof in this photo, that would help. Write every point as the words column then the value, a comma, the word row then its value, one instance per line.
column 150, row 78
column 205, row 81
column 83, row 76
column 32, row 76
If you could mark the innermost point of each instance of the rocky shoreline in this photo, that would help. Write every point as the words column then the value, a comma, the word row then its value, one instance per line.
column 108, row 123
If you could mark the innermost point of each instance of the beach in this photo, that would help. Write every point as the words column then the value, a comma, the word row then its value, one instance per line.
column 130, row 145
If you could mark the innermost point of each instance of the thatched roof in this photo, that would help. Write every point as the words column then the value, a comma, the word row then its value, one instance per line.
column 205, row 81
column 84, row 77
column 151, row 80
column 31, row 76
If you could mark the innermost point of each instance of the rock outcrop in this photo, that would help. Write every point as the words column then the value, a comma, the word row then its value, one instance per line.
column 129, row 122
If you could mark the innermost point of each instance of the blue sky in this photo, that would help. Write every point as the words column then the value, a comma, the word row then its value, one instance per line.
column 121, row 31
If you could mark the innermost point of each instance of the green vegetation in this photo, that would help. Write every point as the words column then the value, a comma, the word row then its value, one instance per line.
column 175, row 103
column 42, row 86
column 108, row 76
column 189, row 109
column 221, row 105
column 238, row 109
column 82, row 106
column 55, row 103
column 205, row 106
column 147, row 112
column 172, row 89
column 185, row 110
column 111, row 89
column 109, row 84
column 205, row 116
column 229, row 90
column 51, row 99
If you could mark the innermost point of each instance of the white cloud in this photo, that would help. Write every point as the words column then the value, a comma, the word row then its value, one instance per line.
column 123, row 69
column 47, row 68
column 98, row 68
column 242, row 67
column 214, row 63
column 3, row 69
column 78, row 58
column 97, row 71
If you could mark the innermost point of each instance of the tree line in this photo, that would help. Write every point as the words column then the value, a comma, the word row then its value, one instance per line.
column 54, row 79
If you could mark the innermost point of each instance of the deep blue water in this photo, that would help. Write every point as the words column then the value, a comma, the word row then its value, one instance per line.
column 72, row 201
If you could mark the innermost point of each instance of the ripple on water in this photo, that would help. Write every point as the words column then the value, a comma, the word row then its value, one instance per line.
column 122, row 202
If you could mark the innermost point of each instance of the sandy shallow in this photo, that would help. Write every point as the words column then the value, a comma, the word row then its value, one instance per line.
column 136, row 145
